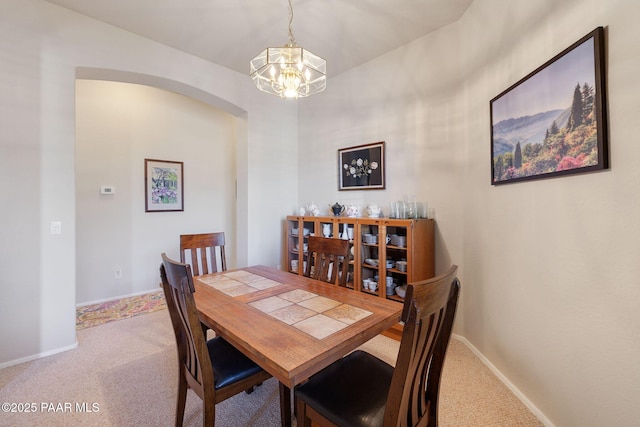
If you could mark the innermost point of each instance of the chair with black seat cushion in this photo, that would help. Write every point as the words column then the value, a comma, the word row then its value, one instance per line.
column 214, row 369
column 204, row 251
column 362, row 390
column 327, row 260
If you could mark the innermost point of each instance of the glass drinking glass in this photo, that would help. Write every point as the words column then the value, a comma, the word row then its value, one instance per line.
column 402, row 209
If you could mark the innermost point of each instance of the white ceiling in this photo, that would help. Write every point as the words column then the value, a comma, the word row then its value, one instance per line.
column 346, row 33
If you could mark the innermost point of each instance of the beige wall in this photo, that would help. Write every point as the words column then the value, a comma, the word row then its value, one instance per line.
column 117, row 126
column 549, row 268
column 44, row 49
column 552, row 265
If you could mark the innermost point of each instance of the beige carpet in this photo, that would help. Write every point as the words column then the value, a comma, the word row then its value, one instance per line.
column 125, row 372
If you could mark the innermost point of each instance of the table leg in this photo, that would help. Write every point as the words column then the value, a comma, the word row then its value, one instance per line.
column 285, row 405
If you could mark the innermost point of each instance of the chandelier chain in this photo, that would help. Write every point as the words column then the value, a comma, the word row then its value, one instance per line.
column 292, row 39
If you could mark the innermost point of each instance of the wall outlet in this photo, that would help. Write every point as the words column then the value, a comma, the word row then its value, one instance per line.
column 56, row 227
column 118, row 272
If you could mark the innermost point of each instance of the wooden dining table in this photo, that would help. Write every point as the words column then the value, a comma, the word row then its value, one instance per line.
column 290, row 325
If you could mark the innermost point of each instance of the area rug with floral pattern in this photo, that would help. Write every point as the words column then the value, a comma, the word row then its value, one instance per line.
column 124, row 308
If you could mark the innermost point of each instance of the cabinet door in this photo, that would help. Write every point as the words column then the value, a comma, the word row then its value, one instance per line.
column 398, row 240
column 327, row 228
column 371, row 256
column 294, row 240
column 345, row 228
column 310, row 227
column 299, row 228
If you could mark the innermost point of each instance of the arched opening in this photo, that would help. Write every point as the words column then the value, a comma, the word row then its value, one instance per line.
column 121, row 119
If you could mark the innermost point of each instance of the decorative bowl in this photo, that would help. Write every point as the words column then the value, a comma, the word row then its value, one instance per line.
column 401, row 291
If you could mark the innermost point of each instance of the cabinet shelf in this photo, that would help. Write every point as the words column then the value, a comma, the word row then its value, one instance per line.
column 395, row 297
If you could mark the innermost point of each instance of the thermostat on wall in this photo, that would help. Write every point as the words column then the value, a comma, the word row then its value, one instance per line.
column 107, row 189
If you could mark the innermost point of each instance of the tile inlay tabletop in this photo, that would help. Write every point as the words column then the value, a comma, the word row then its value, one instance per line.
column 290, row 325
column 313, row 314
column 238, row 283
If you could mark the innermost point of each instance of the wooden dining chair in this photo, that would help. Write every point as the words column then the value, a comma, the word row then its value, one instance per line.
column 203, row 251
column 213, row 369
column 362, row 390
column 327, row 260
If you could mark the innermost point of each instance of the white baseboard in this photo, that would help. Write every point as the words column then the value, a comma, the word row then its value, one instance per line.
column 543, row 419
column 135, row 294
column 38, row 356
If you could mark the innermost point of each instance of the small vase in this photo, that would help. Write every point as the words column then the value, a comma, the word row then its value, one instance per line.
column 363, row 180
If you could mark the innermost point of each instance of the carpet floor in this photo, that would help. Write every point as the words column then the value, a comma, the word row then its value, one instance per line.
column 124, row 373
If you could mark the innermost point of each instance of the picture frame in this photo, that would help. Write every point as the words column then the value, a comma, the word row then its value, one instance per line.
column 164, row 185
column 361, row 167
column 553, row 122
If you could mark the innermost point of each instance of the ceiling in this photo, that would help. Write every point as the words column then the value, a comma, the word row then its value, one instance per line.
column 346, row 33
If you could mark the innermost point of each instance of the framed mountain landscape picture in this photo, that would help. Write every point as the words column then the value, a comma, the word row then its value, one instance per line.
column 553, row 122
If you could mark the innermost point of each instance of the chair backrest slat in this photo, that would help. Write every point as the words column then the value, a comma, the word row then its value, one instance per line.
column 203, row 251
column 328, row 260
column 428, row 314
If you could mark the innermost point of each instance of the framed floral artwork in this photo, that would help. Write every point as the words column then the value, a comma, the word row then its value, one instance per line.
column 361, row 167
column 164, row 186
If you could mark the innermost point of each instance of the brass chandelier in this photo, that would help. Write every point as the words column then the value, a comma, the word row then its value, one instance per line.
column 289, row 71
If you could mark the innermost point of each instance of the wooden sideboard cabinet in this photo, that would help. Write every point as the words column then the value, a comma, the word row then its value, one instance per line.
column 371, row 240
